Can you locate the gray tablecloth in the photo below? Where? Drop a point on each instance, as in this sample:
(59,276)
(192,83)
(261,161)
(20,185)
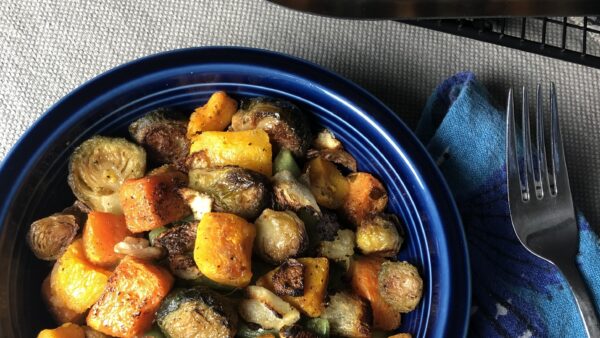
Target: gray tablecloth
(49,47)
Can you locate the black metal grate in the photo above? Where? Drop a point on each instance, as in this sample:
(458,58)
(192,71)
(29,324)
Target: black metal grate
(574,39)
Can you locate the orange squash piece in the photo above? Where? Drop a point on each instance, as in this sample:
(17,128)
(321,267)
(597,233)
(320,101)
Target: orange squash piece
(129,302)
(223,249)
(364,272)
(316,275)
(401,335)
(215,115)
(101,232)
(74,284)
(152,201)
(67,330)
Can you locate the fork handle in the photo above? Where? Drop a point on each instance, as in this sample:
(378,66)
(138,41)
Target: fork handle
(583,299)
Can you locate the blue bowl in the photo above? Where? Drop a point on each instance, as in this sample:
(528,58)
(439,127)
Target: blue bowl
(33,177)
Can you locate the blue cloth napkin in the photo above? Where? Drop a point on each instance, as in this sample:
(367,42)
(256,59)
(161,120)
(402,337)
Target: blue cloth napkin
(515,294)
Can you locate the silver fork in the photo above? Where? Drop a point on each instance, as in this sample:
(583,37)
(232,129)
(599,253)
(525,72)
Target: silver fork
(541,206)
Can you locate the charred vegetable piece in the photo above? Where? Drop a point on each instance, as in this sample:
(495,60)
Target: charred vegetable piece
(249,149)
(348,315)
(133,294)
(316,274)
(153,201)
(67,330)
(325,140)
(200,203)
(327,183)
(279,235)
(197,312)
(223,248)
(366,196)
(341,249)
(75,284)
(264,308)
(50,236)
(138,248)
(285,161)
(296,331)
(162,133)
(291,194)
(101,233)
(400,285)
(365,271)
(378,235)
(319,326)
(337,156)
(179,242)
(152,235)
(233,189)
(215,115)
(288,280)
(285,123)
(99,166)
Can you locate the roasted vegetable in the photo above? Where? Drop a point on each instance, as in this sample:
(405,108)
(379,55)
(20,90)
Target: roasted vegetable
(179,242)
(67,330)
(279,235)
(284,122)
(131,298)
(401,335)
(316,273)
(378,235)
(285,161)
(101,233)
(91,333)
(153,201)
(288,279)
(325,140)
(162,133)
(215,115)
(233,189)
(197,312)
(341,249)
(296,331)
(99,166)
(154,332)
(348,315)
(337,156)
(200,203)
(400,285)
(264,308)
(245,331)
(327,183)
(152,235)
(365,271)
(138,248)
(249,149)
(50,236)
(223,248)
(319,326)
(290,194)
(60,312)
(366,196)
(74,285)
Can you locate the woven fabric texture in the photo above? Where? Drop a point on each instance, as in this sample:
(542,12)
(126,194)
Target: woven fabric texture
(49,47)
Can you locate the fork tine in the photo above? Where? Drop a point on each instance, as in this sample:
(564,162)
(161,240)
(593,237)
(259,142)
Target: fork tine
(541,184)
(512,164)
(528,176)
(559,178)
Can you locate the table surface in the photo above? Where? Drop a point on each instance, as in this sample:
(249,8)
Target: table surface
(50,47)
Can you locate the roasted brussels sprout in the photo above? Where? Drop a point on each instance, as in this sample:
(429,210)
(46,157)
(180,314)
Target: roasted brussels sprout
(279,235)
(234,190)
(340,249)
(366,196)
(288,280)
(50,236)
(162,132)
(400,285)
(378,235)
(348,315)
(179,242)
(296,331)
(99,166)
(264,308)
(327,183)
(197,312)
(285,123)
(293,195)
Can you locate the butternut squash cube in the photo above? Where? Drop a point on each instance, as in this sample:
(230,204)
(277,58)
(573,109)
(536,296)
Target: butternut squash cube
(67,330)
(215,115)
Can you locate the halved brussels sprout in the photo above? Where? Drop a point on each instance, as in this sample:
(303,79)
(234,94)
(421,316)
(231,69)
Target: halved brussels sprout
(162,132)
(348,315)
(99,166)
(293,195)
(50,236)
(288,280)
(279,235)
(285,123)
(179,242)
(400,285)
(234,190)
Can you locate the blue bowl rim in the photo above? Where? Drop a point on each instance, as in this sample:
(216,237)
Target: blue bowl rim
(424,164)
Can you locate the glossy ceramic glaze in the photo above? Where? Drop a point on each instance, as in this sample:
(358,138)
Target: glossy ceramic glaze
(33,180)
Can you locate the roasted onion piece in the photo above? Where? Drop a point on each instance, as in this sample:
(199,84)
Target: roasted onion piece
(99,166)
